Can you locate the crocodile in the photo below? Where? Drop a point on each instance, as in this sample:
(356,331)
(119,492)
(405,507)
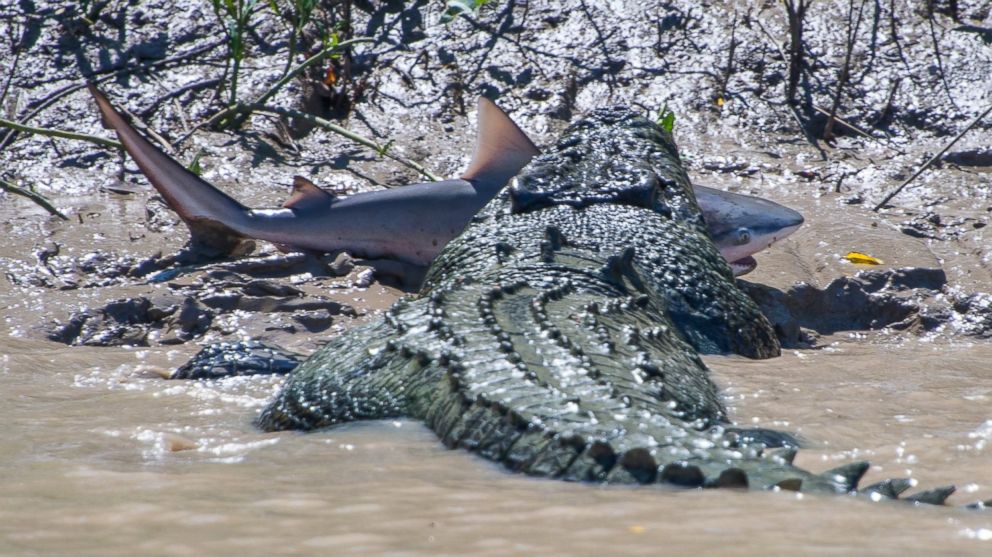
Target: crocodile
(560,334)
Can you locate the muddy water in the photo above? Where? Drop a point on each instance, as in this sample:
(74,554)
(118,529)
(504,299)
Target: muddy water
(99,459)
(99,456)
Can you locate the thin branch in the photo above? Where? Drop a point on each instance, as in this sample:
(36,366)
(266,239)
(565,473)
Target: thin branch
(940,63)
(792,108)
(857,130)
(38,199)
(853,24)
(934,158)
(382,150)
(42,104)
(722,93)
(59,133)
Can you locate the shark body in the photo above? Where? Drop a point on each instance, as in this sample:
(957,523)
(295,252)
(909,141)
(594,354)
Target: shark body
(413,223)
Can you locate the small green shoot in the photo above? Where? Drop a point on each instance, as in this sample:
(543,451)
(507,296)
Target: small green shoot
(384,149)
(461,7)
(234,16)
(666,119)
(194,165)
(297,16)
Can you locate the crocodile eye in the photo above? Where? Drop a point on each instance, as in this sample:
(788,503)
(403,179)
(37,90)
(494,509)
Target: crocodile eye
(743,236)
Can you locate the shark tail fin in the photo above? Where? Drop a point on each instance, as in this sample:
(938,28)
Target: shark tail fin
(501,148)
(308,196)
(208,212)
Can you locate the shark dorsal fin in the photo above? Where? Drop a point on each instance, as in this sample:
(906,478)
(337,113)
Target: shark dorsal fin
(307,195)
(501,148)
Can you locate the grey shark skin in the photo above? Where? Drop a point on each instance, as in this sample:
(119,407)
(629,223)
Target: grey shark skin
(742,225)
(409,224)
(559,335)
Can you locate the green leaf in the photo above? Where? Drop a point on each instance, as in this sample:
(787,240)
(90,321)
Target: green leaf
(194,166)
(459,7)
(384,148)
(666,119)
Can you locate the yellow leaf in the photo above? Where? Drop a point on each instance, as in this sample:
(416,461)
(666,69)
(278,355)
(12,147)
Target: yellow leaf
(862,259)
(719,101)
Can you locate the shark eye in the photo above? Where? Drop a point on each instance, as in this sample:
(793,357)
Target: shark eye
(743,236)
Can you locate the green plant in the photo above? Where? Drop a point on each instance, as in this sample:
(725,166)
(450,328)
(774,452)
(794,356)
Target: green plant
(234,16)
(459,7)
(297,16)
(666,119)
(194,165)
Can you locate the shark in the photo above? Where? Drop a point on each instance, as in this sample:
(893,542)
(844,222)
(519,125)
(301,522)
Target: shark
(409,224)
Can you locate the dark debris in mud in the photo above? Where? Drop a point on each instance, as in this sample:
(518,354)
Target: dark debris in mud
(915,300)
(64,272)
(189,309)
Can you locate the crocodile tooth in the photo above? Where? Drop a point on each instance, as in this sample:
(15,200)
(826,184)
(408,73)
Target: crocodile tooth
(891,488)
(935,496)
(846,477)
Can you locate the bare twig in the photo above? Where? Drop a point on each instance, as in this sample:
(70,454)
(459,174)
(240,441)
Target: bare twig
(59,133)
(729,70)
(792,109)
(382,150)
(42,104)
(13,67)
(894,32)
(884,113)
(934,158)
(858,130)
(37,198)
(796,13)
(853,23)
(940,63)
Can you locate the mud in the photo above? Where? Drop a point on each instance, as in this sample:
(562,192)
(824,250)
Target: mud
(888,363)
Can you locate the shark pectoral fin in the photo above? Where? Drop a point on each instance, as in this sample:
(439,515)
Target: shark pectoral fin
(501,148)
(308,196)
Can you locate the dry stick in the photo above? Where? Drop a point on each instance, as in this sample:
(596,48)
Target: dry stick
(10,76)
(382,150)
(934,159)
(59,133)
(845,71)
(888,103)
(795,13)
(940,64)
(792,108)
(858,130)
(48,101)
(721,95)
(40,200)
